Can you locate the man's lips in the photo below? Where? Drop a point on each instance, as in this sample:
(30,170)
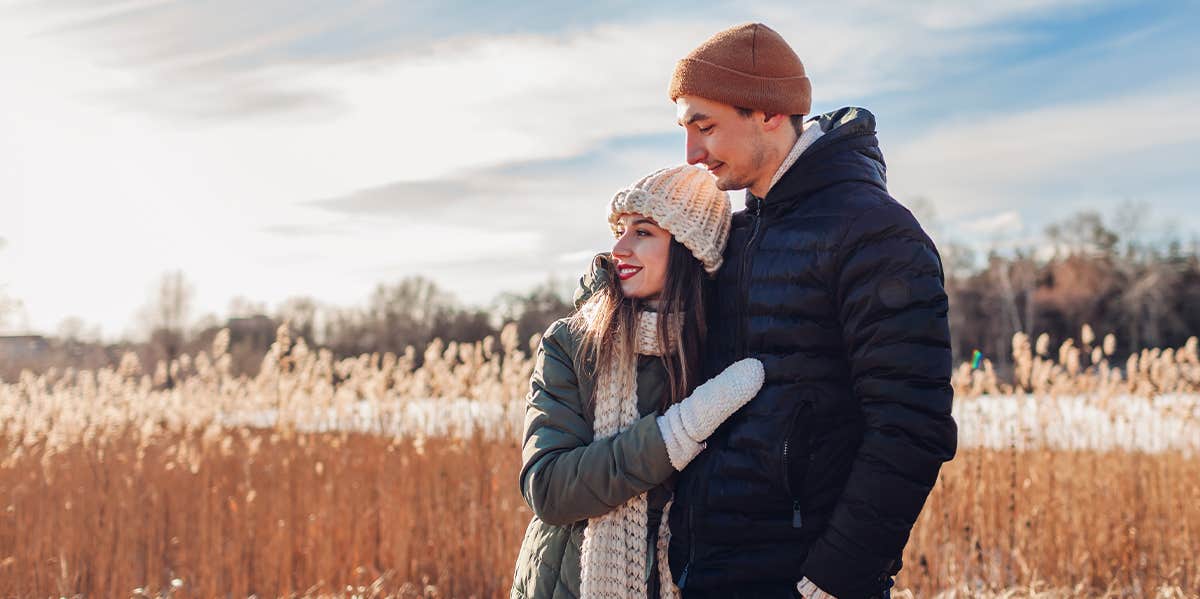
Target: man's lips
(625,271)
(712,168)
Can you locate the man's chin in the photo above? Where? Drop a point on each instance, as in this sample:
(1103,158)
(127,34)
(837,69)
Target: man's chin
(725,184)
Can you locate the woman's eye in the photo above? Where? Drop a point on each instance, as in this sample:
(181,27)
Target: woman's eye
(643,233)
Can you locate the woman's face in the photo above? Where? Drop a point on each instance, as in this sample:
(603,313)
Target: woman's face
(641,254)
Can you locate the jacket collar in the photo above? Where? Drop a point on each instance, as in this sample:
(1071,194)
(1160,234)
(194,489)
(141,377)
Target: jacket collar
(847,150)
(811,133)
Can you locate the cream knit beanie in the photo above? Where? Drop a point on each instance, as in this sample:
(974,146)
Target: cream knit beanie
(685,201)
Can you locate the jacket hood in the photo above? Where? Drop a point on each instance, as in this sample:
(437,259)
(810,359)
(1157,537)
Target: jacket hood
(847,151)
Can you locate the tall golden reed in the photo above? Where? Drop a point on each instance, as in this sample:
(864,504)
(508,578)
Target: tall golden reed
(324,477)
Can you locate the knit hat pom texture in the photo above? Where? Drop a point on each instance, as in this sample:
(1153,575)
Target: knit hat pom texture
(685,201)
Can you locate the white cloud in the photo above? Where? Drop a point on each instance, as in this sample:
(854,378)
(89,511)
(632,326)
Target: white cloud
(579,256)
(1000,224)
(1013,160)
(955,14)
(151,140)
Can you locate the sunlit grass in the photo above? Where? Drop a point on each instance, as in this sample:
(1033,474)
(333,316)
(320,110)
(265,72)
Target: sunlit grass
(374,477)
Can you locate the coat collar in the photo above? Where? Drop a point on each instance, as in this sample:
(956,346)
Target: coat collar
(847,150)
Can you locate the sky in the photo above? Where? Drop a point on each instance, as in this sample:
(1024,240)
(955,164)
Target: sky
(283,148)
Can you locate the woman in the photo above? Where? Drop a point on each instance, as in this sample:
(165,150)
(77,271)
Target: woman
(614,409)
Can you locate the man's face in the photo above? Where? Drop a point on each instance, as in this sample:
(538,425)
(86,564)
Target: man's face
(731,146)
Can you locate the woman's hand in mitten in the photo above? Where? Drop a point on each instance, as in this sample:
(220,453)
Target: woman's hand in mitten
(688,423)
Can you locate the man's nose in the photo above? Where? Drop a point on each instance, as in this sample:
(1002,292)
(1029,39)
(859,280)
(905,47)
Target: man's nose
(695,150)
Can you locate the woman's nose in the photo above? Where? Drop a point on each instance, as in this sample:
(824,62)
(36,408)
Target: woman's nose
(621,248)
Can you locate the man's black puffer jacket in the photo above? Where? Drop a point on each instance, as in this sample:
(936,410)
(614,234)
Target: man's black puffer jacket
(835,287)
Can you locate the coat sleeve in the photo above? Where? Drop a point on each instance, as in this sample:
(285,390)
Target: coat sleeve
(567,475)
(893,311)
(597,276)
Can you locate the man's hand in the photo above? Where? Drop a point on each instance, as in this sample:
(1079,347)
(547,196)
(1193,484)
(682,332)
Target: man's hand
(808,590)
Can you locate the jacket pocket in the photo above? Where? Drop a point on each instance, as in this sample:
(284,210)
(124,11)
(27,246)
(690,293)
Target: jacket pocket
(794,453)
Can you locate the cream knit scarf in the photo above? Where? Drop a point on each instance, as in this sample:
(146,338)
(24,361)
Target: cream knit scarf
(613,557)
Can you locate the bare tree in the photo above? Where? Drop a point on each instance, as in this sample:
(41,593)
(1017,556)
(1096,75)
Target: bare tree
(172,301)
(167,313)
(1082,233)
(8,305)
(1146,303)
(536,309)
(300,313)
(407,312)
(72,328)
(244,307)
(1130,220)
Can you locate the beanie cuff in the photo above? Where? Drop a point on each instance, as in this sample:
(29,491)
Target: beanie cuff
(639,201)
(772,95)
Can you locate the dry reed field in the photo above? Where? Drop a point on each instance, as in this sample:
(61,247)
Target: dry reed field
(373,477)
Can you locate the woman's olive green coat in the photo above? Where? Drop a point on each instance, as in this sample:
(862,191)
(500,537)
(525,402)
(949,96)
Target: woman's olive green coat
(566,476)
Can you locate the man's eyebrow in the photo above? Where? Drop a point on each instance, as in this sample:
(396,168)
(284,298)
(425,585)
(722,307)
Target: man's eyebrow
(698,116)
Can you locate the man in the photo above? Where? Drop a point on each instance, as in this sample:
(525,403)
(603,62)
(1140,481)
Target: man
(811,489)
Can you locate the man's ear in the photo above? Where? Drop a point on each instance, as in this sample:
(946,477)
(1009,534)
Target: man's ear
(772,122)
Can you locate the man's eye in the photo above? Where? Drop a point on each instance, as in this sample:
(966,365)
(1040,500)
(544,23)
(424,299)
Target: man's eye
(704,129)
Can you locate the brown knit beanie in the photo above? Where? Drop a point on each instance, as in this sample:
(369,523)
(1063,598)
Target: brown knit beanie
(748,66)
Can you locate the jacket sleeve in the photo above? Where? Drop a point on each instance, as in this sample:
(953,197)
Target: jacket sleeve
(566,475)
(893,311)
(597,276)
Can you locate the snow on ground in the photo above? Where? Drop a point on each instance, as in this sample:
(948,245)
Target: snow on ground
(1166,422)
(407,418)
(1129,423)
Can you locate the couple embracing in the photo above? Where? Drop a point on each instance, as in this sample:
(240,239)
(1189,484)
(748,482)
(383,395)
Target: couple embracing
(753,404)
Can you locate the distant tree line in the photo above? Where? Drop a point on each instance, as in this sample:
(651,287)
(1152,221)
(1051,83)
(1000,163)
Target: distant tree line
(1145,292)
(1081,271)
(410,312)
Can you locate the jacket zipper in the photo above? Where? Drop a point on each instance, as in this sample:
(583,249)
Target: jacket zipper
(787,478)
(743,300)
(694,491)
(691,545)
(797,520)
(743,276)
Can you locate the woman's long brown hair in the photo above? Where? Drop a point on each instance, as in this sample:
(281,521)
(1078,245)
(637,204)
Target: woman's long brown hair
(611,321)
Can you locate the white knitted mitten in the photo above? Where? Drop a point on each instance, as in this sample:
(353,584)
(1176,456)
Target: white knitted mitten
(688,423)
